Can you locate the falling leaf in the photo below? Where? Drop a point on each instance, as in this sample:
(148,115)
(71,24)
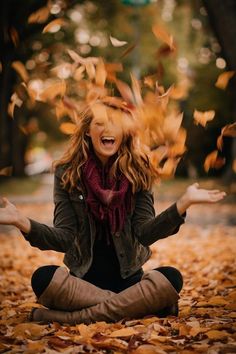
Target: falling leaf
(234,166)
(39,16)
(67,128)
(57,88)
(162,34)
(116,42)
(136,90)
(128,50)
(14,36)
(203,117)
(51,26)
(223,79)
(101,73)
(6,171)
(213,161)
(229,130)
(125,91)
(21,70)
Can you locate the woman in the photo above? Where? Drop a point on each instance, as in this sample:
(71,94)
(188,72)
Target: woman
(104,222)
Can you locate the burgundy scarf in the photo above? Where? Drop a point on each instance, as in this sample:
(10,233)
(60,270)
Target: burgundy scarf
(108,198)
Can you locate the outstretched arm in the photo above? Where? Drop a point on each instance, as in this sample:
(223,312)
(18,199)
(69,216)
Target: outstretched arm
(149,228)
(58,238)
(195,195)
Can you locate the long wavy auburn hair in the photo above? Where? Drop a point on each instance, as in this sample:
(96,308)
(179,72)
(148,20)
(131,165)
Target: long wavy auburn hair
(131,159)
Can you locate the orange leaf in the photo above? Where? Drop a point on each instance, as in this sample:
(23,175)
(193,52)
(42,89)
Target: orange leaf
(229,130)
(54,25)
(6,171)
(203,117)
(116,42)
(21,70)
(39,16)
(123,332)
(67,128)
(223,79)
(101,73)
(136,90)
(234,166)
(125,91)
(56,89)
(162,34)
(213,161)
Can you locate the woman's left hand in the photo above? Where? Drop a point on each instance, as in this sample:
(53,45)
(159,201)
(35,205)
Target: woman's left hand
(196,195)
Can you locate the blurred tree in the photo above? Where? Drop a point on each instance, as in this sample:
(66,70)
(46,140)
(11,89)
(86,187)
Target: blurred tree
(222,17)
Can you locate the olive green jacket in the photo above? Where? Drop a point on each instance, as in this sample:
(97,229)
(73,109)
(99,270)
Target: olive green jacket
(74,230)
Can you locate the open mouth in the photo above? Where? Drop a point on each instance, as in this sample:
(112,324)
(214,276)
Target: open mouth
(107,140)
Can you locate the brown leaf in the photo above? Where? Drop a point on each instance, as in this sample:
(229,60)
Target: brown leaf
(6,171)
(223,79)
(203,117)
(54,24)
(125,91)
(21,70)
(57,88)
(161,33)
(148,349)
(128,50)
(67,128)
(29,330)
(116,42)
(39,16)
(123,332)
(136,90)
(101,73)
(229,130)
(217,335)
(213,161)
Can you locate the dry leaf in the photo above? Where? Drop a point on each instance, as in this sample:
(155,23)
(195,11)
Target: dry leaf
(213,161)
(229,130)
(161,33)
(125,91)
(57,88)
(67,128)
(101,73)
(6,171)
(148,349)
(124,332)
(223,79)
(39,16)
(203,117)
(128,50)
(21,70)
(217,335)
(51,26)
(116,42)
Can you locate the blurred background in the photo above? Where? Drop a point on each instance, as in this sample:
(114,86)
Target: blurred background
(204,34)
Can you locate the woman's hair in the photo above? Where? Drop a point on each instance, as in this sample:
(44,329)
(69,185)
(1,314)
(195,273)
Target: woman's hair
(131,159)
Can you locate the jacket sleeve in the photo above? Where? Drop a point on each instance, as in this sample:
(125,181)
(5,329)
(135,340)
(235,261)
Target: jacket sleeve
(61,235)
(149,228)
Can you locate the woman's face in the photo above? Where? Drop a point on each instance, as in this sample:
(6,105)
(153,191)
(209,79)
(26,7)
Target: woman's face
(106,133)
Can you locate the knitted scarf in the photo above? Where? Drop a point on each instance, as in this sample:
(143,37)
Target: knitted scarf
(108,198)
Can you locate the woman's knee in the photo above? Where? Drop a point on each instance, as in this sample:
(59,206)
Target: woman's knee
(41,278)
(173,275)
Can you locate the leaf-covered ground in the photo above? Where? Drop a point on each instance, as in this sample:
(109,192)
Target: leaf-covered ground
(204,251)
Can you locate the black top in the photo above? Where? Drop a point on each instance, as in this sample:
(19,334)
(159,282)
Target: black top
(105,268)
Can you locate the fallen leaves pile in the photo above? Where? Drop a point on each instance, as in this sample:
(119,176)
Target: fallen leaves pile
(204,251)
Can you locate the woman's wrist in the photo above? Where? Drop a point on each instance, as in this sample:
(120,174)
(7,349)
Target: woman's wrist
(22,223)
(182,204)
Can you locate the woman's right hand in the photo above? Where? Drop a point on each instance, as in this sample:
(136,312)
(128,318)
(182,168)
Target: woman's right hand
(9,214)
